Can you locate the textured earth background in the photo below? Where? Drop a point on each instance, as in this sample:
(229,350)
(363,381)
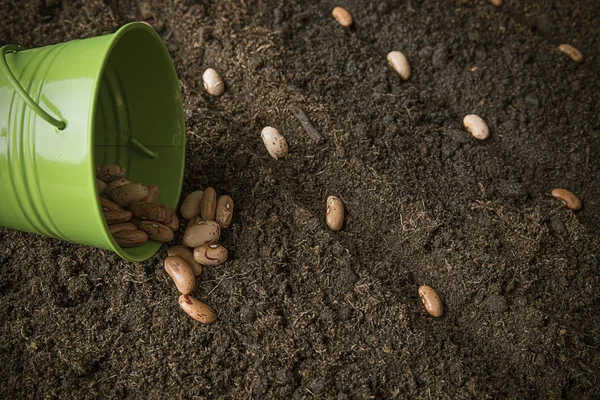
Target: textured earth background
(308,313)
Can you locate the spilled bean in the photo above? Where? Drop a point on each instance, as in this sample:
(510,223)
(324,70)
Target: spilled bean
(204,232)
(224,212)
(431,301)
(477,126)
(573,53)
(116,216)
(568,199)
(108,205)
(208,204)
(210,254)
(186,254)
(400,63)
(335,213)
(130,238)
(171,220)
(129,193)
(115,184)
(213,83)
(342,16)
(196,309)
(181,273)
(157,231)
(275,143)
(191,205)
(124,226)
(147,211)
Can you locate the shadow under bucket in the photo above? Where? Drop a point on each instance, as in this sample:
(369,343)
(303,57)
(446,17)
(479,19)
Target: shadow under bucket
(68,107)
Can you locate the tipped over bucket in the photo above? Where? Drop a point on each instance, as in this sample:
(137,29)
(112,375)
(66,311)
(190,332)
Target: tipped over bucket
(68,107)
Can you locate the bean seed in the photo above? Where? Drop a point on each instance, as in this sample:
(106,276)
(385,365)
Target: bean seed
(171,220)
(204,232)
(194,221)
(208,204)
(400,63)
(573,53)
(335,213)
(496,3)
(431,301)
(210,254)
(186,254)
(191,205)
(124,226)
(130,238)
(153,193)
(196,309)
(568,198)
(275,143)
(115,184)
(213,83)
(129,193)
(108,205)
(157,231)
(477,126)
(224,212)
(101,185)
(109,172)
(342,16)
(147,211)
(181,273)
(116,216)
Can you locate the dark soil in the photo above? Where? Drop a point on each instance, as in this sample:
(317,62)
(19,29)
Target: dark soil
(308,313)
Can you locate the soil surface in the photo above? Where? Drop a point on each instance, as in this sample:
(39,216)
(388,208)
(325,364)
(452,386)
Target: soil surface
(304,312)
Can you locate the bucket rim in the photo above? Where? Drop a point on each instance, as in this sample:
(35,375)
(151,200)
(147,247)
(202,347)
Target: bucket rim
(114,40)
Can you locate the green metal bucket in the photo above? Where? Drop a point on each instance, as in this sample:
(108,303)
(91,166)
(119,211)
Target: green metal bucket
(66,108)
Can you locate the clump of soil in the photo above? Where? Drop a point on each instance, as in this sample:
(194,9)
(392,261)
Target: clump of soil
(308,313)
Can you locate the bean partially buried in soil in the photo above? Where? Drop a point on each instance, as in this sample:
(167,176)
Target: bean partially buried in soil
(181,273)
(210,254)
(335,213)
(573,53)
(196,309)
(400,64)
(568,198)
(476,126)
(157,231)
(186,254)
(342,16)
(431,301)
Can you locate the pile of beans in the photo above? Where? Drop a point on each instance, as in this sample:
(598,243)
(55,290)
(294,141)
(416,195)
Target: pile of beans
(206,215)
(131,210)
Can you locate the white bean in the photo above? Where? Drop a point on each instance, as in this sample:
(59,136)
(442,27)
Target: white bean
(213,83)
(476,126)
(400,63)
(275,143)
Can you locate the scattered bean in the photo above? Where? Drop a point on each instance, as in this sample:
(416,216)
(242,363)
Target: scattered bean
(204,232)
(335,213)
(157,231)
(147,211)
(129,193)
(171,220)
(400,63)
(305,123)
(573,53)
(431,301)
(213,83)
(108,205)
(210,254)
(130,238)
(477,126)
(186,254)
(116,216)
(181,273)
(153,193)
(101,185)
(208,204)
(275,143)
(115,184)
(568,198)
(224,212)
(109,172)
(196,309)
(191,205)
(124,226)
(342,16)
(194,221)
(496,3)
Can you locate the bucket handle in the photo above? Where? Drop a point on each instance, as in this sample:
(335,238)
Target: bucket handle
(10,48)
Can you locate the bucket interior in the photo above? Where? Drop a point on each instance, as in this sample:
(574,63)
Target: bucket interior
(138,121)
